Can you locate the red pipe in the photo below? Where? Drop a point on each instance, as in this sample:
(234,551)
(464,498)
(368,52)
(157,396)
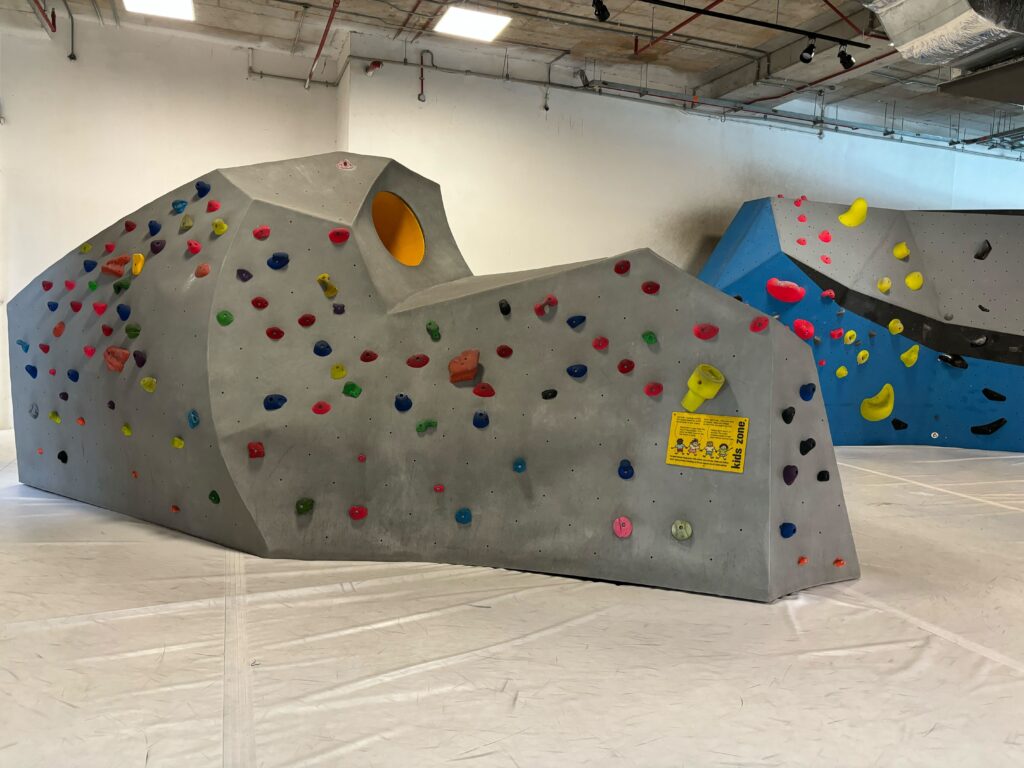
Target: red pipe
(51,22)
(323,39)
(674,29)
(822,79)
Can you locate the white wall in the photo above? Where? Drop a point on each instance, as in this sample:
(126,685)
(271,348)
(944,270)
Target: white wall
(595,176)
(140,112)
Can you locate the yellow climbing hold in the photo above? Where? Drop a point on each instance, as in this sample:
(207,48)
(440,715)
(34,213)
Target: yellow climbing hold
(338,371)
(85,248)
(849,337)
(841,372)
(219,226)
(186,223)
(914,281)
(862,357)
(855,214)
(880,406)
(901,251)
(177,442)
(910,356)
(138,262)
(703,384)
(148,383)
(884,284)
(330,290)
(55,417)
(126,430)
(895,326)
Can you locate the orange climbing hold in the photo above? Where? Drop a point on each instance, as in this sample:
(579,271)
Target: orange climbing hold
(115,358)
(58,329)
(115,267)
(202,270)
(463,367)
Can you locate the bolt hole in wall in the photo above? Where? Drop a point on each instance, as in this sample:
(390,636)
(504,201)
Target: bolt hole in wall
(398,229)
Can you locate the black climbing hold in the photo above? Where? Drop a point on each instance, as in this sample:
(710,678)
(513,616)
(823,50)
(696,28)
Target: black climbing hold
(504,307)
(897,424)
(788,414)
(983,251)
(991,394)
(988,429)
(807,391)
(953,360)
(823,476)
(111,405)
(983,308)
(738,297)
(549,394)
(244,275)
(63,396)
(806,446)
(63,457)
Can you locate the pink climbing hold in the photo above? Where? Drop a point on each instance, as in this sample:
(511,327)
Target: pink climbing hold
(801,241)
(256,450)
(357,512)
(653,388)
(622,267)
(784,290)
(417,361)
(622,527)
(47,285)
(803,329)
(483,389)
(826,259)
(798,202)
(600,343)
(194,246)
(828,293)
(260,303)
(76,306)
(69,284)
(109,247)
(836,333)
(339,235)
(262,232)
(89,351)
(758,324)
(275,333)
(825,236)
(368,356)
(202,270)
(212,206)
(802,218)
(650,287)
(99,307)
(626,365)
(705,331)
(321,407)
(307,320)
(504,350)
(129,225)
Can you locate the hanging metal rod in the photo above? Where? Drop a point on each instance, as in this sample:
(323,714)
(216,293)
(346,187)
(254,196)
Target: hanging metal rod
(756,23)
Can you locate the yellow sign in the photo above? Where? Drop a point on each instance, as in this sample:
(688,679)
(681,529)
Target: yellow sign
(706,441)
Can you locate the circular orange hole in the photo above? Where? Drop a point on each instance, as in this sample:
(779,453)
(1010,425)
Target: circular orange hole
(398,229)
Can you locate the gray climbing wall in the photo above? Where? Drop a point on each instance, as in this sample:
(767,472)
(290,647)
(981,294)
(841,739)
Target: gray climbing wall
(258,410)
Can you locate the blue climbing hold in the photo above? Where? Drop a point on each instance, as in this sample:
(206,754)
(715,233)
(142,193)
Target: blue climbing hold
(52,306)
(481,419)
(154,227)
(519,466)
(625,469)
(73,374)
(273,402)
(23,345)
(124,311)
(179,206)
(88,265)
(576,321)
(202,188)
(787,530)
(402,402)
(278,261)
(807,391)
(32,370)
(577,371)
(321,349)
(464,516)
(193,419)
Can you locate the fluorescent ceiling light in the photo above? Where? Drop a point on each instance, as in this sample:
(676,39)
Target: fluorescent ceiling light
(170,9)
(474,25)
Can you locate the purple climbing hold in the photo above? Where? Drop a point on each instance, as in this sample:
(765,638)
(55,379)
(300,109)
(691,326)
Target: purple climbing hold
(243,275)
(789,473)
(157,245)
(339,309)
(140,357)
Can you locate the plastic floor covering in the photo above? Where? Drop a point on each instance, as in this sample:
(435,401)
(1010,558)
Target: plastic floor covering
(124,644)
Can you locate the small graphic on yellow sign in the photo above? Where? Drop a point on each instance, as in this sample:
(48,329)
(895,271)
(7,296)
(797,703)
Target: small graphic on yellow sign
(706,441)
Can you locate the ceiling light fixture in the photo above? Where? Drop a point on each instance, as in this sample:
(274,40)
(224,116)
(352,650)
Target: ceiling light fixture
(845,58)
(807,54)
(168,9)
(459,21)
(601,11)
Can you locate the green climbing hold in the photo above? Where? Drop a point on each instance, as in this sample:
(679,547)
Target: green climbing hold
(650,338)
(122,285)
(681,530)
(426,424)
(225,318)
(93,285)
(433,330)
(303,506)
(351,389)
(85,248)
(215,497)
(132,330)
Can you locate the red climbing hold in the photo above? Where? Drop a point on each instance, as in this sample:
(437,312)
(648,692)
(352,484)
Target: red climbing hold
(58,329)
(262,232)
(194,246)
(115,358)
(821,363)
(115,266)
(828,293)
(784,290)
(600,343)
(803,329)
(549,301)
(504,350)
(463,366)
(76,306)
(483,389)
(80,421)
(653,388)
(53,371)
(320,407)
(839,562)
(438,488)
(538,309)
(622,267)
(99,307)
(44,348)
(89,351)
(129,225)
(109,247)
(357,513)
(650,287)
(836,333)
(802,560)
(202,270)
(339,235)
(212,206)
(802,218)
(417,361)
(260,303)
(368,356)
(758,324)
(256,450)
(47,285)
(798,202)
(175,508)
(626,365)
(705,331)
(826,259)
(361,458)
(307,320)
(69,284)
(801,241)
(107,330)
(275,333)
(825,236)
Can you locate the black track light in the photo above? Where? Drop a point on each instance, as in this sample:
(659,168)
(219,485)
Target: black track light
(807,54)
(845,58)
(601,11)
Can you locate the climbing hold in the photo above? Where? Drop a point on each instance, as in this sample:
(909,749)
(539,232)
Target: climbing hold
(991,394)
(88,265)
(802,218)
(650,338)
(179,206)
(653,389)
(304,506)
(256,450)
(192,417)
(278,261)
(483,389)
(219,227)
(202,270)
(140,357)
(52,306)
(823,476)
(433,330)
(129,225)
(549,394)
(504,307)
(758,324)
(600,343)
(704,384)
(884,284)
(339,309)
(62,457)
(274,402)
(705,331)
(504,351)
(419,360)
(213,206)
(464,516)
(330,289)
(259,302)
(426,424)
(338,371)
(784,290)
(803,328)
(23,344)
(862,357)
(351,389)
(402,402)
(85,248)
(93,285)
(839,562)
(802,560)
(849,337)
(910,356)
(47,285)
(111,404)
(186,223)
(69,285)
(306,320)
(788,413)
(879,406)
(338,235)
(275,333)
(225,318)
(901,251)
(988,429)
(33,411)
(124,311)
(76,306)
(622,527)
(576,321)
(202,189)
(983,251)
(807,391)
(214,497)
(828,294)
(132,330)
(368,356)
(177,442)
(99,307)
(914,281)
(438,488)
(789,473)
(55,417)
(681,530)
(806,446)
(320,407)
(626,469)
(156,246)
(262,232)
(825,236)
(481,419)
(650,287)
(154,227)
(895,326)
(956,361)
(463,367)
(321,348)
(842,372)
(983,308)
(115,266)
(801,241)
(73,375)
(115,358)
(626,365)
(577,371)
(622,267)
(519,465)
(787,530)
(357,512)
(979,341)
(898,424)
(148,383)
(856,214)
(122,285)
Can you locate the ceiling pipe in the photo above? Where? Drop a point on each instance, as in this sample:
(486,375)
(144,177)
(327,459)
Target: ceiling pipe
(851,25)
(638,49)
(323,39)
(822,79)
(71,18)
